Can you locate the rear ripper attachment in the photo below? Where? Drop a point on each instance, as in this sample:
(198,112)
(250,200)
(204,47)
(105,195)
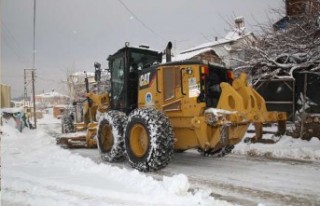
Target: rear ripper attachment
(253,107)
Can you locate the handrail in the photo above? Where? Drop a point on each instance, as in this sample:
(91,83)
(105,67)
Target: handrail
(157,84)
(181,81)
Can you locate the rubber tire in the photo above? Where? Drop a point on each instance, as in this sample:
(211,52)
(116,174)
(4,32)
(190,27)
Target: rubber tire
(67,125)
(160,139)
(116,121)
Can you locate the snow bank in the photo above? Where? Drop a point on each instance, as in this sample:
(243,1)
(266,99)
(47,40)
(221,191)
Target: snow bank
(35,171)
(287,148)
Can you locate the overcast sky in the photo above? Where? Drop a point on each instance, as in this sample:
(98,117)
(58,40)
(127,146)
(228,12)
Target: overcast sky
(73,34)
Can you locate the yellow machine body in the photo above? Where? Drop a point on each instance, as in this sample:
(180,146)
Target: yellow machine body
(87,130)
(158,108)
(99,103)
(174,89)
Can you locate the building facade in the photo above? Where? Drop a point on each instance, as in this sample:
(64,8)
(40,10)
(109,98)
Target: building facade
(5,96)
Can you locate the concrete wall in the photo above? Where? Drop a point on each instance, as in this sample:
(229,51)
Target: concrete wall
(5,96)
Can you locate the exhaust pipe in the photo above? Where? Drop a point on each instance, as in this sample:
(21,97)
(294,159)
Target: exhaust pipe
(168,52)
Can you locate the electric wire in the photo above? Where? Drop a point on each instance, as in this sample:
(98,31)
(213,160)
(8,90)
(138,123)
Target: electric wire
(140,21)
(12,44)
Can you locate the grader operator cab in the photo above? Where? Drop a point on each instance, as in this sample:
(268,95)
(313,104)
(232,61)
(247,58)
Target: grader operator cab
(156,109)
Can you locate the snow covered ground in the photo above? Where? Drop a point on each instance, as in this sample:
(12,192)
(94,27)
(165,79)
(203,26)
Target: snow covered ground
(286,148)
(35,171)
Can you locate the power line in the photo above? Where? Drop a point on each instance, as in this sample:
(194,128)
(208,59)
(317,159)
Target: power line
(20,59)
(34,35)
(50,80)
(141,22)
(12,44)
(206,37)
(8,32)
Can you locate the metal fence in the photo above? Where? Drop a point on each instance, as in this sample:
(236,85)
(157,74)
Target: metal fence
(279,95)
(299,94)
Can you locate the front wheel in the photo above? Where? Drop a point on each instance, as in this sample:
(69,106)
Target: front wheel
(110,136)
(148,140)
(67,125)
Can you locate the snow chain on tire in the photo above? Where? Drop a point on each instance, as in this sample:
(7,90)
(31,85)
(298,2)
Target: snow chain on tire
(67,125)
(148,139)
(110,136)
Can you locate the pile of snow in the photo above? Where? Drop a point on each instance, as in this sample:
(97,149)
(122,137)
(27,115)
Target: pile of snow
(286,148)
(35,171)
(51,94)
(48,118)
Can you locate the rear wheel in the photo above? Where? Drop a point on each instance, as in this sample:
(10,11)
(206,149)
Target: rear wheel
(110,136)
(148,140)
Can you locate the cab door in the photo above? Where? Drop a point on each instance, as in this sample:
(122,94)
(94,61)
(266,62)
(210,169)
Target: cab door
(172,89)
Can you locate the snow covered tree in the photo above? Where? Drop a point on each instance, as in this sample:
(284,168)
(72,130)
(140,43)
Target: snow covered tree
(291,44)
(291,47)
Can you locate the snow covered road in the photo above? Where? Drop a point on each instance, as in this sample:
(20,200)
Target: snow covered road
(286,173)
(254,180)
(35,171)
(242,179)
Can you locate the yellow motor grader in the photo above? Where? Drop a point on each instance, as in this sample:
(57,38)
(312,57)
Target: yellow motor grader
(158,108)
(80,134)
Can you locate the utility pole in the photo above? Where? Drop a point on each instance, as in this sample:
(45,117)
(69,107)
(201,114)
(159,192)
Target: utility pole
(34,63)
(34,101)
(25,100)
(26,82)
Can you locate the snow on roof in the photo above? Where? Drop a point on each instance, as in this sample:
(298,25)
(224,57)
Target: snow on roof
(11,110)
(61,105)
(221,46)
(82,74)
(188,55)
(206,45)
(231,36)
(144,46)
(51,94)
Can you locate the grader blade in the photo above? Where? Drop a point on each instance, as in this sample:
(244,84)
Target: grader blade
(72,140)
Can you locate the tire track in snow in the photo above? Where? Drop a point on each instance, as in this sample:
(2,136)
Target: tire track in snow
(204,172)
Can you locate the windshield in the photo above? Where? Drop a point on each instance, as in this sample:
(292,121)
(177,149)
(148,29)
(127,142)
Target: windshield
(141,60)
